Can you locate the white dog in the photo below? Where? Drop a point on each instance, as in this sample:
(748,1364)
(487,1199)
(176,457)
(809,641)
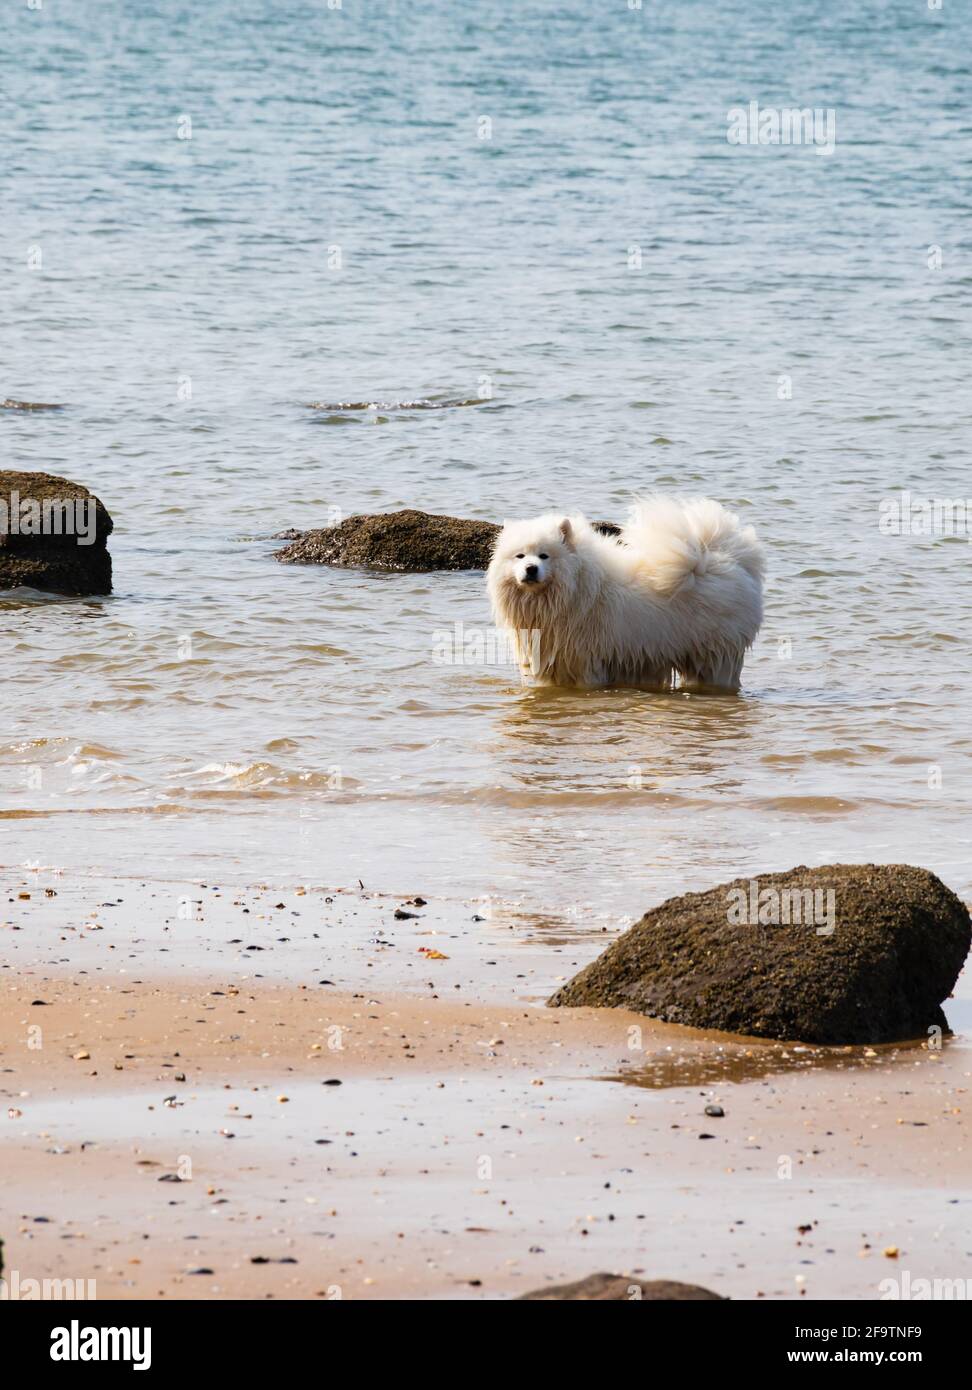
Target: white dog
(678,591)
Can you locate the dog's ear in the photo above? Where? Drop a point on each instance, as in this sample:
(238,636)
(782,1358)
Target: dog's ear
(567,533)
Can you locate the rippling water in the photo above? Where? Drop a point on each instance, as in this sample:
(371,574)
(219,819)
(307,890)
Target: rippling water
(623,288)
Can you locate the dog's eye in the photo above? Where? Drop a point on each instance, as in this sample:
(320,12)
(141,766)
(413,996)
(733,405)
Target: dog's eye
(543,557)
(521,557)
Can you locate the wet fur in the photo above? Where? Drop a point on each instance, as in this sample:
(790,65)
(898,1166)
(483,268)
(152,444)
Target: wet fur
(678,592)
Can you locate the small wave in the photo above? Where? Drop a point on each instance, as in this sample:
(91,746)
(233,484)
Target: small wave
(242,774)
(817,805)
(92,752)
(28,745)
(49,812)
(522,799)
(222,777)
(420,403)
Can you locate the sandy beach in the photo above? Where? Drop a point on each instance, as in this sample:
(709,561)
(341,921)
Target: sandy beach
(409,1126)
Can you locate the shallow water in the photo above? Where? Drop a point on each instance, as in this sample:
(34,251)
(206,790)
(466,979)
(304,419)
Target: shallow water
(224,714)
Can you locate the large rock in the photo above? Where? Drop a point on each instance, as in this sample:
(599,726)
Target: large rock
(56,557)
(883,948)
(618,1288)
(406,540)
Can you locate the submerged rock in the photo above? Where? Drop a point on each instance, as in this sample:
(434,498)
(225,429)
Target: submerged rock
(618,1288)
(847,953)
(406,540)
(419,403)
(53,535)
(409,540)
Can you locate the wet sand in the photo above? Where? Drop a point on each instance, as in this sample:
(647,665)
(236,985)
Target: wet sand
(477,1146)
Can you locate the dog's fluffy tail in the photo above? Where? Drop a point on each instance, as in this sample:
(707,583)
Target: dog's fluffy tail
(681,542)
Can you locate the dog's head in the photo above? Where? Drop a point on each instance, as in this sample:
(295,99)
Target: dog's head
(532,556)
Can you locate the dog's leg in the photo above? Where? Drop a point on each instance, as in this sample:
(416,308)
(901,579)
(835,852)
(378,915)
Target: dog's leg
(720,674)
(641,676)
(658,678)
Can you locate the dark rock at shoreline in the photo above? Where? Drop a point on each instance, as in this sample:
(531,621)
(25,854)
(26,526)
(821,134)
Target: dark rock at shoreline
(41,487)
(617,1288)
(408,540)
(55,563)
(899,938)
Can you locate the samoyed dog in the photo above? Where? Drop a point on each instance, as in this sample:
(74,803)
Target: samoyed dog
(678,592)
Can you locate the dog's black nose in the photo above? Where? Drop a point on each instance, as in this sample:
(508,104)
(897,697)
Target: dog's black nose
(530,572)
